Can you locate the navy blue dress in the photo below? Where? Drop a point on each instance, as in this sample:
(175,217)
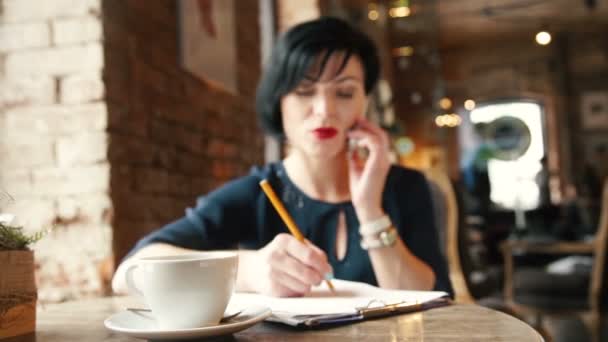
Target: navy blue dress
(239,215)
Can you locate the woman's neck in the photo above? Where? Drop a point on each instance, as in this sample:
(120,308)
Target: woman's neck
(322,179)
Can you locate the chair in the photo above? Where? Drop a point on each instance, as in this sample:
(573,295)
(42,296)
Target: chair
(537,292)
(447,218)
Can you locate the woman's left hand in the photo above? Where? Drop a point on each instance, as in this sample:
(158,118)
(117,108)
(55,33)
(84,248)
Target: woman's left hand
(368,176)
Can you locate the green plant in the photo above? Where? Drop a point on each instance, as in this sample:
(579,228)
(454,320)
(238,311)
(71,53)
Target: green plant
(13,238)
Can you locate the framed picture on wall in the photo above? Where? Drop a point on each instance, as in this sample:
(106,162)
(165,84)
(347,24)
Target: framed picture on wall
(207,41)
(594,109)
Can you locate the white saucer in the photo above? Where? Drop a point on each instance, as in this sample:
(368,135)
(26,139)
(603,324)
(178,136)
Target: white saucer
(142,325)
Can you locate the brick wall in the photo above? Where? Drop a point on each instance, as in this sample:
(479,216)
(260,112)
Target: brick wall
(172,136)
(53,144)
(104,136)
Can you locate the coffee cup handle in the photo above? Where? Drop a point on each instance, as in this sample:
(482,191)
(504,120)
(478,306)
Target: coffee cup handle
(131,282)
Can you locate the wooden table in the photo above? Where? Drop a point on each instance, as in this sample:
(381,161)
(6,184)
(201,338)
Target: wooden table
(83,321)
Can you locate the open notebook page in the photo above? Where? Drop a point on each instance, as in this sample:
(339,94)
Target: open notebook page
(347,298)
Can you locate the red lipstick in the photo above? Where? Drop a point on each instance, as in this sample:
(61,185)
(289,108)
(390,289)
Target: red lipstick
(325,132)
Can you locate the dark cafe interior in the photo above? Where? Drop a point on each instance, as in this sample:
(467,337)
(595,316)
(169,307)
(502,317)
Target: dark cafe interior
(117,115)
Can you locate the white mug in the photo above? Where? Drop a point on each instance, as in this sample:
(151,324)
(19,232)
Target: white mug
(186,291)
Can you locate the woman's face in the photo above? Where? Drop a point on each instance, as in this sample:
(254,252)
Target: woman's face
(317,114)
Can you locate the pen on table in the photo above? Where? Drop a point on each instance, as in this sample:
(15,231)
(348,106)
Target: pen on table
(291,225)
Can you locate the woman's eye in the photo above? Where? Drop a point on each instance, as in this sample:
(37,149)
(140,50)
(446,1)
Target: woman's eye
(304,91)
(347,94)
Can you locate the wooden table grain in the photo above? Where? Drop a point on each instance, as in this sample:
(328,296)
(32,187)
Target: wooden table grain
(83,321)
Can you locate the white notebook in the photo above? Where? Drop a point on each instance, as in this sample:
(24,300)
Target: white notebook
(348,299)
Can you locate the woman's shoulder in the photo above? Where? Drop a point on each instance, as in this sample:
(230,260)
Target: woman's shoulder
(406,184)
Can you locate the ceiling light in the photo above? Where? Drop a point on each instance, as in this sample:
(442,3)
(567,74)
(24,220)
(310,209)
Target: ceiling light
(469,104)
(543,38)
(439,121)
(399,12)
(448,120)
(404,51)
(373,15)
(445,103)
(372,12)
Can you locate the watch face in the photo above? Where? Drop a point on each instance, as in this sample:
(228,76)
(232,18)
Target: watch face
(388,237)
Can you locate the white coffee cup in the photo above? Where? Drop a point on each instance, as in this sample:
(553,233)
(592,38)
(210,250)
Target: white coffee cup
(185,291)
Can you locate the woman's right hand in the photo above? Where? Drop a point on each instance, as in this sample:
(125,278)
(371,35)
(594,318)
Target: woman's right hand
(288,267)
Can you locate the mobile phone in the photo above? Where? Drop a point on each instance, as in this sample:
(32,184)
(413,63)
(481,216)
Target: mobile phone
(360,152)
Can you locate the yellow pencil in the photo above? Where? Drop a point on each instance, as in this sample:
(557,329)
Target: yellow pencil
(291,225)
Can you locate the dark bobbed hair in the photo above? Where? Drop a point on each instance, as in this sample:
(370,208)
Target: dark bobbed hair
(294,54)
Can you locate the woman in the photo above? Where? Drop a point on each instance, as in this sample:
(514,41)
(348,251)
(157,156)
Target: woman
(365,219)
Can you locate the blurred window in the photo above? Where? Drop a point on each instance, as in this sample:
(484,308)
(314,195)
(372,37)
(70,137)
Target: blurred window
(515,131)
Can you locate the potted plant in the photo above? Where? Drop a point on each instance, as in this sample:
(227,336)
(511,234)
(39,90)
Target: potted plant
(18,294)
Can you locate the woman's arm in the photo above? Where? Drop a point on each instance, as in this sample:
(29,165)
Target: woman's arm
(221,220)
(269,270)
(394,266)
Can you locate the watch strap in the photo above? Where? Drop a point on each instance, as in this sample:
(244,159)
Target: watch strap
(376,226)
